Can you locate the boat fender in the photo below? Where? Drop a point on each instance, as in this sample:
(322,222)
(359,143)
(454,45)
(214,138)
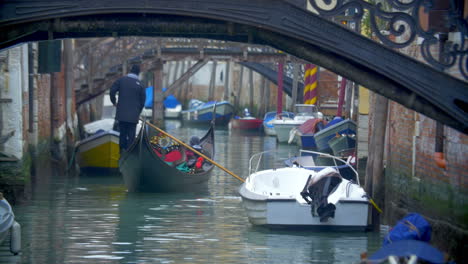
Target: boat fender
(440,160)
(15,239)
(199,162)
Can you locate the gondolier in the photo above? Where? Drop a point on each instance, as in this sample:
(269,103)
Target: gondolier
(130,103)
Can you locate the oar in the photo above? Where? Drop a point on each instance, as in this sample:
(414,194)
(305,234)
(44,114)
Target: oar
(194,150)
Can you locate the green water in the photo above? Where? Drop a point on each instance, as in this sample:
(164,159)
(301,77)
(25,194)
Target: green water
(92,219)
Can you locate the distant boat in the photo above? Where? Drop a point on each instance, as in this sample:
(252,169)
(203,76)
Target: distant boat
(10,230)
(99,149)
(304,134)
(296,197)
(303,113)
(334,127)
(172,106)
(201,113)
(268,119)
(156,163)
(247,122)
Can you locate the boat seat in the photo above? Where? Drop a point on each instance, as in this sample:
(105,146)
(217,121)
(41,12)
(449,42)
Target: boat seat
(305,161)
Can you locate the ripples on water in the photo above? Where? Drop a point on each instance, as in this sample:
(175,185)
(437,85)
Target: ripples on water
(92,219)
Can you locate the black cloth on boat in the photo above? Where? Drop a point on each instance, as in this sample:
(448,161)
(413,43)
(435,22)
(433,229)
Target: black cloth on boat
(318,188)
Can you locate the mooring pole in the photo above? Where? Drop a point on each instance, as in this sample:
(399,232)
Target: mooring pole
(279,102)
(158,109)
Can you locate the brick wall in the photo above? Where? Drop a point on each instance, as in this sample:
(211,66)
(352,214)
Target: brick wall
(43,106)
(414,183)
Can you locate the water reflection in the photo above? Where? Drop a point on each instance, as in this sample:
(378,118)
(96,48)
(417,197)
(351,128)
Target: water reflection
(92,219)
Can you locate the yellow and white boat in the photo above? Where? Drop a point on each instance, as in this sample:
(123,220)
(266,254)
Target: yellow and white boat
(99,150)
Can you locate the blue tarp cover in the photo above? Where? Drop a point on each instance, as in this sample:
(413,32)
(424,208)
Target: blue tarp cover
(169,102)
(406,248)
(412,226)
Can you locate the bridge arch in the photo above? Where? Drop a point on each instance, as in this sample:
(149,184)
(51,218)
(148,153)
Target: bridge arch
(277,23)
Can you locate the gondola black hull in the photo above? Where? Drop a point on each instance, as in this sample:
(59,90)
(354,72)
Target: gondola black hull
(144,171)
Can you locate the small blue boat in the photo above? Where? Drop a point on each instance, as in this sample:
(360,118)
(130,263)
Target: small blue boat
(201,113)
(334,127)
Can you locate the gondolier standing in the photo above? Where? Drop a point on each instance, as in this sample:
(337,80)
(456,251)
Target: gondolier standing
(131,101)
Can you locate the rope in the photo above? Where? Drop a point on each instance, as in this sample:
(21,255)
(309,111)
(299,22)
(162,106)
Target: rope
(194,150)
(375,205)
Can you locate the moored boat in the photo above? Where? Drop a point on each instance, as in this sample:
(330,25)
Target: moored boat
(246,122)
(303,113)
(156,163)
(100,148)
(334,127)
(295,197)
(172,106)
(201,113)
(10,230)
(304,134)
(268,119)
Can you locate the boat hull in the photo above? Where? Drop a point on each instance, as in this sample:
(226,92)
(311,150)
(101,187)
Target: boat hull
(144,171)
(247,124)
(283,131)
(169,113)
(269,129)
(350,215)
(323,137)
(280,198)
(204,115)
(100,151)
(306,141)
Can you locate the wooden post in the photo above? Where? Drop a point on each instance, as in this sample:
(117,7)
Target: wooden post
(375,178)
(266,83)
(175,74)
(158,115)
(261,103)
(279,102)
(251,90)
(226,80)
(69,94)
(211,93)
(339,112)
(294,85)
(179,89)
(186,95)
(239,89)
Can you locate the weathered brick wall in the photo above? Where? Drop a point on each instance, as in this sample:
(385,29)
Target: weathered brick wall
(414,183)
(59,100)
(327,86)
(43,106)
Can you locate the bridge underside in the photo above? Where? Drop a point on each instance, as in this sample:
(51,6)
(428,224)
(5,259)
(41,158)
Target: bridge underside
(386,72)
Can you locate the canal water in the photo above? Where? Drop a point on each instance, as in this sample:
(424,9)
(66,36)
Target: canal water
(91,218)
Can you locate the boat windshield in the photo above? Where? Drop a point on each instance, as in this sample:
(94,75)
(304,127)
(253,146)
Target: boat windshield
(306,110)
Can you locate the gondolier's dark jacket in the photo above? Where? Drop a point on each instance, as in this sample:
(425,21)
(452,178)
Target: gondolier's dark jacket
(132,98)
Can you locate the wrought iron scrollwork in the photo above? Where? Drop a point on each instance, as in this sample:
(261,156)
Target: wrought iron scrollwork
(396,24)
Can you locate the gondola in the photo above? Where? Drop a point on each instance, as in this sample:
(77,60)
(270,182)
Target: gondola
(157,163)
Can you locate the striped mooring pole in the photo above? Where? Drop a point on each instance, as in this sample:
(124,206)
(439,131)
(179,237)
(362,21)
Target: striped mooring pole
(310,81)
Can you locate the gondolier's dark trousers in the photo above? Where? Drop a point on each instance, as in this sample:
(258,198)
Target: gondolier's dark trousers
(127,134)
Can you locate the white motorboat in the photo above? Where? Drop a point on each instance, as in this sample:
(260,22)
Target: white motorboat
(303,198)
(10,230)
(270,117)
(303,113)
